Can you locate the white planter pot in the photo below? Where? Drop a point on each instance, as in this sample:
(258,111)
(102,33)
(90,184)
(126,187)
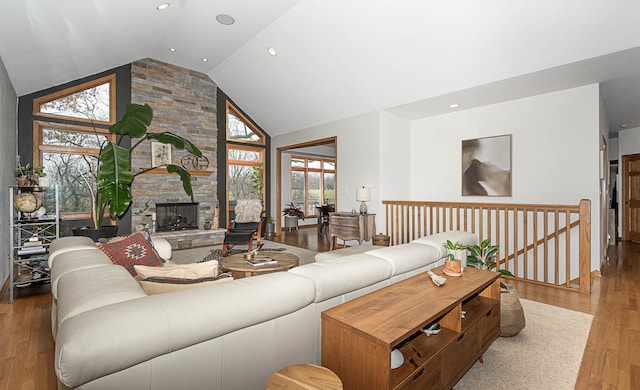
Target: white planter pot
(459,255)
(290,221)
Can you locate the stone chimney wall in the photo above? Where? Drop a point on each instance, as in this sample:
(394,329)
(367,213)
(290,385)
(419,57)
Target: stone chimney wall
(184,103)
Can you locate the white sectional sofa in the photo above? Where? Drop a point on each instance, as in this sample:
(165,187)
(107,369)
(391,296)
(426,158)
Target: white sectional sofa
(109,334)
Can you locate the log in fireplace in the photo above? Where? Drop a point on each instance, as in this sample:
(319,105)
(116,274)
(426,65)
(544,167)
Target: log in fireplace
(176,216)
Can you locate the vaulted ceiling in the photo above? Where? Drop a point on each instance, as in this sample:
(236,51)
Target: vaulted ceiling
(339,58)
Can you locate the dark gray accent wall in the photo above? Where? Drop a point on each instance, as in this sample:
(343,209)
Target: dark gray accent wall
(222,157)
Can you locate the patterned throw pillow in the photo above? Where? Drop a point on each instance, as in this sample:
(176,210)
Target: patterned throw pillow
(131,250)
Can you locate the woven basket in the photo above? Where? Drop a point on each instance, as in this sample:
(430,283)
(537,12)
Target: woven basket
(381,240)
(511,314)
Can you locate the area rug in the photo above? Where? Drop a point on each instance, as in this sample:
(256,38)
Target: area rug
(186,256)
(546,354)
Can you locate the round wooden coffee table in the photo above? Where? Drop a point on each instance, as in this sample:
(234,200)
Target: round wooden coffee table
(241,269)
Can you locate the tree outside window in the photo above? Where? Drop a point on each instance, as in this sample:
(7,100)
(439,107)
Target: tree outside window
(245,160)
(69,128)
(312,183)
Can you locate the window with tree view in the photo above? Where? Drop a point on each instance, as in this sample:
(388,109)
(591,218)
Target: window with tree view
(312,182)
(245,160)
(67,146)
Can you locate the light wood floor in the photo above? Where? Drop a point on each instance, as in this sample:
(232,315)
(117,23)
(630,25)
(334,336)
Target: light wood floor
(611,359)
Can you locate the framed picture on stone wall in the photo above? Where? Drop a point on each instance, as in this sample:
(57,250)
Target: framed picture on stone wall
(160,153)
(486,166)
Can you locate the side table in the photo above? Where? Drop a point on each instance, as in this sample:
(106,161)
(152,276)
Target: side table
(350,226)
(304,376)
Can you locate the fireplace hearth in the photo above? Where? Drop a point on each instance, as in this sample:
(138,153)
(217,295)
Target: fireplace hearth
(176,216)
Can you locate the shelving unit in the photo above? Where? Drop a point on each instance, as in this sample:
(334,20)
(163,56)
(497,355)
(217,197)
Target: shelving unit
(30,239)
(358,336)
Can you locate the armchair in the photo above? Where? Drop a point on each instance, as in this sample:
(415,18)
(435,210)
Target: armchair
(246,227)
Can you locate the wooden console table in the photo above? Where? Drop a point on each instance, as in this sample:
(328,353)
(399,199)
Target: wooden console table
(350,226)
(358,336)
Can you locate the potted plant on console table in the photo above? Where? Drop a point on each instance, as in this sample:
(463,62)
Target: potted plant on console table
(112,188)
(456,258)
(512,319)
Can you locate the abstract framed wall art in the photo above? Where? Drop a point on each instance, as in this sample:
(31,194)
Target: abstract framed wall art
(486,166)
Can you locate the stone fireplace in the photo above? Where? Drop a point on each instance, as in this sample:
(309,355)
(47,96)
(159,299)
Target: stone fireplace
(184,103)
(176,216)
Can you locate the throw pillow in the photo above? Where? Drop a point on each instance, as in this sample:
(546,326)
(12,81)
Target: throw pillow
(131,250)
(207,269)
(158,285)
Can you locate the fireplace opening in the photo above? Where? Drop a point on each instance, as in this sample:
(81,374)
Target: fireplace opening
(176,216)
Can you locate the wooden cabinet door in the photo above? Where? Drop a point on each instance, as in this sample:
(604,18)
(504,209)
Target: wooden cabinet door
(631,197)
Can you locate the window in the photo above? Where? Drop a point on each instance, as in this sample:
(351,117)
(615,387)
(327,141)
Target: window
(245,160)
(312,182)
(243,163)
(69,151)
(88,102)
(239,129)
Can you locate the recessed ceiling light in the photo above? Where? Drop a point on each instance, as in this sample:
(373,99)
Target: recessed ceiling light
(624,126)
(272,52)
(205,60)
(454,105)
(225,19)
(163,6)
(172,49)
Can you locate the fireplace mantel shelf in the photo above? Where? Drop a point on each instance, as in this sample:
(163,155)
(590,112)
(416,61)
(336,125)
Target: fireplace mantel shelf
(192,172)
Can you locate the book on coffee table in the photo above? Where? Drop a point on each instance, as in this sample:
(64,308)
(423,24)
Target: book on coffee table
(261,261)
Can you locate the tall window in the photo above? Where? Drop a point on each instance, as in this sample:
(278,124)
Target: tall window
(313,182)
(69,128)
(245,160)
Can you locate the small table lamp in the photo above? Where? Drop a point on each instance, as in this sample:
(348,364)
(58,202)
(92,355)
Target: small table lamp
(363,194)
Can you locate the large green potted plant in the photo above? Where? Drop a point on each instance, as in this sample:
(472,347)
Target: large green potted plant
(512,319)
(112,190)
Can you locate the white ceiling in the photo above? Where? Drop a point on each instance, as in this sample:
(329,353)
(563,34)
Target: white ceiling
(340,58)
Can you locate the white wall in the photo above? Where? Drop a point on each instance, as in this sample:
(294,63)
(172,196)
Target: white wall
(555,151)
(357,159)
(8,106)
(629,142)
(395,158)
(614,149)
(556,147)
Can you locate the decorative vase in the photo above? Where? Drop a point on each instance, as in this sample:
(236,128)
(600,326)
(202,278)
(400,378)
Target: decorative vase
(207,225)
(453,268)
(512,319)
(22,181)
(269,229)
(216,217)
